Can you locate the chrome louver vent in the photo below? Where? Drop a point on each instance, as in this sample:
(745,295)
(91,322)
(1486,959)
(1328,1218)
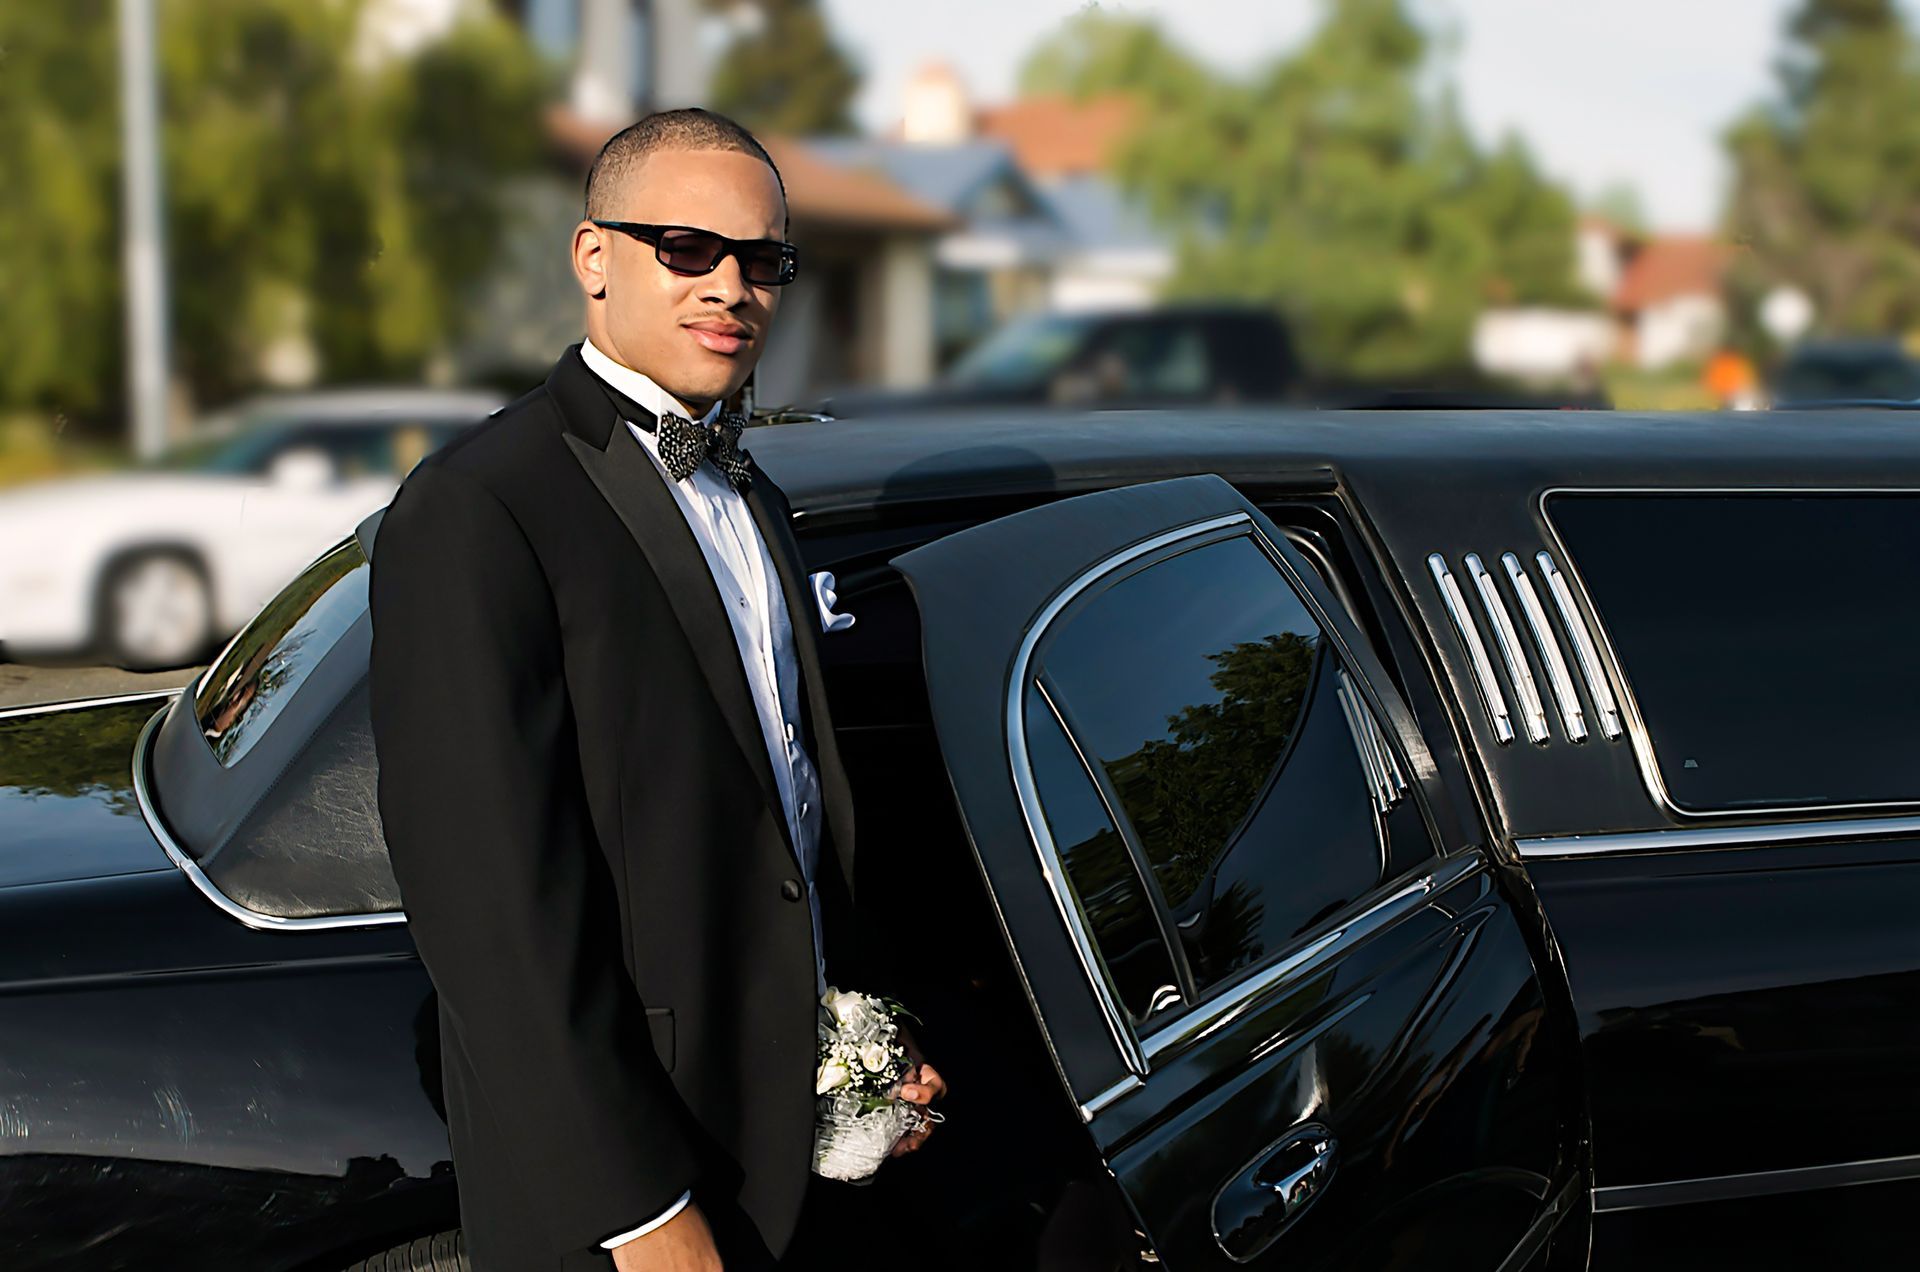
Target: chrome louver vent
(1520,659)
(1384,776)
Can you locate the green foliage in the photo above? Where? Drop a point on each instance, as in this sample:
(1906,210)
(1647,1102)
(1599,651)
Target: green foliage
(1187,792)
(788,76)
(1826,191)
(309,190)
(1332,184)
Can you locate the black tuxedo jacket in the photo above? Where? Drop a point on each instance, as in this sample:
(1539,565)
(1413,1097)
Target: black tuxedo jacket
(583,821)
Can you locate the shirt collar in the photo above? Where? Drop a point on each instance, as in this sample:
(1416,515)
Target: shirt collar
(639,387)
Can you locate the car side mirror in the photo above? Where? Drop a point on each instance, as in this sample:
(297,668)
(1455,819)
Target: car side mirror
(301,468)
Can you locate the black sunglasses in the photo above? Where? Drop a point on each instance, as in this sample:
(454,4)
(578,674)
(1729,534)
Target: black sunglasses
(685,249)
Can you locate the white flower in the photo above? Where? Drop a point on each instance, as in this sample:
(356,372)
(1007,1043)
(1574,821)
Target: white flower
(845,1005)
(832,1074)
(874,1057)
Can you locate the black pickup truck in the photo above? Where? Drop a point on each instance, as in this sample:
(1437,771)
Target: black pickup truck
(1169,356)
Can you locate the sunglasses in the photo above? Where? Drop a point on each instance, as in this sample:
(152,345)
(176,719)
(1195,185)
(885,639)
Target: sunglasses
(687,250)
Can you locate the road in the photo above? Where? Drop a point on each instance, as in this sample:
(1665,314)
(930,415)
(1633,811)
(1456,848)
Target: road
(26,685)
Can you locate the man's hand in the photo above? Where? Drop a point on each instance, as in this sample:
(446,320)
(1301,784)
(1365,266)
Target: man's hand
(922,1085)
(683,1243)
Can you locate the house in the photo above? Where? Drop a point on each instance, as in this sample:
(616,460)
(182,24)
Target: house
(1669,305)
(1038,225)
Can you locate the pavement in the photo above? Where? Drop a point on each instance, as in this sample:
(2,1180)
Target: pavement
(34,684)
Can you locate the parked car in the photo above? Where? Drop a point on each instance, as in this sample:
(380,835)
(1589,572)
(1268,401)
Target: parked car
(1169,356)
(1820,374)
(1415,840)
(151,566)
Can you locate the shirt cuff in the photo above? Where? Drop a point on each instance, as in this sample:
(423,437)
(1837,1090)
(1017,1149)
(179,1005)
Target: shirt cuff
(650,1224)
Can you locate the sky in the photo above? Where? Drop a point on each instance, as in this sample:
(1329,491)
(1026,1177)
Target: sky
(1625,91)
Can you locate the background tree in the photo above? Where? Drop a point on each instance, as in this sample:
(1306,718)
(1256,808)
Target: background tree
(312,192)
(1826,188)
(1337,184)
(782,71)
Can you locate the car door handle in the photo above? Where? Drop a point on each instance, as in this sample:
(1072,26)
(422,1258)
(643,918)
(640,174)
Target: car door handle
(1273,1191)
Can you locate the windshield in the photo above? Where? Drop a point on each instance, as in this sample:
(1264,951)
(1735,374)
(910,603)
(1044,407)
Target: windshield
(1022,354)
(231,450)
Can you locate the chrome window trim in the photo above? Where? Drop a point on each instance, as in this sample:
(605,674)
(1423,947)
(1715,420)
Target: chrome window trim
(77,704)
(1759,1183)
(150,813)
(1111,1095)
(1693,838)
(1572,718)
(1598,686)
(1221,1010)
(1636,728)
(1519,672)
(1491,697)
(1051,867)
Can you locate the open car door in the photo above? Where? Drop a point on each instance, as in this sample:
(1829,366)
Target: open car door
(1292,995)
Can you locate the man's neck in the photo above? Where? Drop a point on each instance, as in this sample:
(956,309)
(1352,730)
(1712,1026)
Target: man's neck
(637,384)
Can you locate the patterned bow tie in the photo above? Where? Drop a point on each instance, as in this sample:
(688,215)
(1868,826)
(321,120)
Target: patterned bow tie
(683,444)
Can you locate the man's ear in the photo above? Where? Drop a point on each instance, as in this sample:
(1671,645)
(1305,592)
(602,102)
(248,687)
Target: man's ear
(590,259)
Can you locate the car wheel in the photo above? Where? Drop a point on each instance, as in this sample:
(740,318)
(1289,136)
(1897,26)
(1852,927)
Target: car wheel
(441,1252)
(154,610)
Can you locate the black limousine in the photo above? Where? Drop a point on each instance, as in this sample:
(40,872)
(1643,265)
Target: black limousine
(1341,841)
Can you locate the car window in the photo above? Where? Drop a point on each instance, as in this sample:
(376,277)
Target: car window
(259,671)
(1137,360)
(1767,639)
(1021,355)
(1118,910)
(1206,695)
(357,451)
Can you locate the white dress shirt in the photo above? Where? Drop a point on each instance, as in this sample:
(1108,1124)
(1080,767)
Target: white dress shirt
(749,589)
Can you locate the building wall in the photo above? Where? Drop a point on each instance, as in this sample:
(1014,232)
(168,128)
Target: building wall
(1683,329)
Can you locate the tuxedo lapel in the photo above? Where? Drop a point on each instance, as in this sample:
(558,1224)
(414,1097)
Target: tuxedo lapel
(774,517)
(627,479)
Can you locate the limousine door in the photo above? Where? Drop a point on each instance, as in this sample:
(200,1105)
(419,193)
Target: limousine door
(1285,989)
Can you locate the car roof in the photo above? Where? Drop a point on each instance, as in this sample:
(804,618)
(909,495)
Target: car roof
(1493,454)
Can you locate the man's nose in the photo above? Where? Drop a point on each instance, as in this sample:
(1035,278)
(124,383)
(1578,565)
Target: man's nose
(725,285)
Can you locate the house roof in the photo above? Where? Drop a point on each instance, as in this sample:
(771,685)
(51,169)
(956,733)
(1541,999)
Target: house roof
(946,175)
(1669,266)
(1098,217)
(820,190)
(1055,135)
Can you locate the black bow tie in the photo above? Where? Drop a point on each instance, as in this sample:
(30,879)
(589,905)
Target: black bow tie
(683,443)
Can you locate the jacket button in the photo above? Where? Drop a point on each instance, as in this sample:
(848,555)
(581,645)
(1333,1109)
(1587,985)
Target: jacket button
(790,889)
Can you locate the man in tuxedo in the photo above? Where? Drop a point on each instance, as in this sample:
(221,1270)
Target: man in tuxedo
(607,772)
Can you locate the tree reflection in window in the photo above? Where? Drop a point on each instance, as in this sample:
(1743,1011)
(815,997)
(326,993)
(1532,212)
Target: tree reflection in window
(1188,791)
(1199,685)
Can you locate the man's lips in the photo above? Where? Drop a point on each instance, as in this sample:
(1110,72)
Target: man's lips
(720,339)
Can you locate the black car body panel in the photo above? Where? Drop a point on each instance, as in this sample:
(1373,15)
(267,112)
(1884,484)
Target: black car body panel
(179,1077)
(182,1090)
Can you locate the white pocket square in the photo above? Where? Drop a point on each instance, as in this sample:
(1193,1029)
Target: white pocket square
(823,595)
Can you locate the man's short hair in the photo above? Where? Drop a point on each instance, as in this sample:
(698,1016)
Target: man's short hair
(690,128)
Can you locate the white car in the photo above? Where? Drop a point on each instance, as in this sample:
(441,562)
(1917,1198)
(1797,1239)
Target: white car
(150,566)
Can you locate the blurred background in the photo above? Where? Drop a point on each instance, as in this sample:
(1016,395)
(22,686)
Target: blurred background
(259,256)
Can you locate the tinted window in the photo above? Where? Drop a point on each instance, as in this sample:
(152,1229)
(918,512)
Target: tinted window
(1768,639)
(1152,360)
(1203,688)
(257,674)
(1119,915)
